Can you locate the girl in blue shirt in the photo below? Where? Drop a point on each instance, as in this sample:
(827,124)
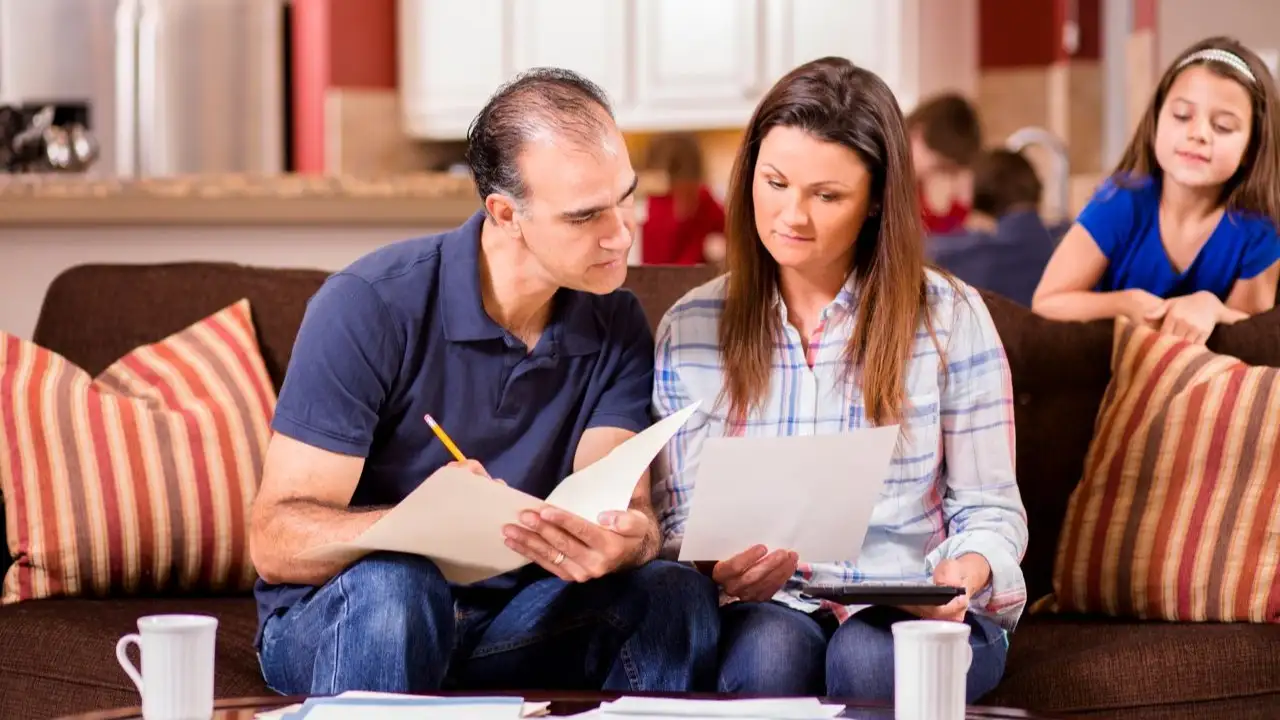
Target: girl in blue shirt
(1183,235)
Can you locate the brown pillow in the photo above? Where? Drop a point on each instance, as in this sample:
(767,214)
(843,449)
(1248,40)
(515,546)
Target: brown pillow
(1177,516)
(139,480)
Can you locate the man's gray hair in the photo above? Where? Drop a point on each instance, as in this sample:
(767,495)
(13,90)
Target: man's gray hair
(539,103)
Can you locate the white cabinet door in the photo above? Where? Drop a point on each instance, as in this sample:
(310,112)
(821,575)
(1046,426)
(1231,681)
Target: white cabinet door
(918,47)
(452,56)
(696,64)
(586,36)
(867,32)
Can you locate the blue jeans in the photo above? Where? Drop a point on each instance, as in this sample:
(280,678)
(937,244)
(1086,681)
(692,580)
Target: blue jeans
(391,622)
(770,649)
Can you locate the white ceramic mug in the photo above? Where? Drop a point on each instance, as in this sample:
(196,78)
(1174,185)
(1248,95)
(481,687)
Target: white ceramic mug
(931,660)
(176,682)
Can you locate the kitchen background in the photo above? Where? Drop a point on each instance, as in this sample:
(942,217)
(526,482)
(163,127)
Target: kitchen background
(307,132)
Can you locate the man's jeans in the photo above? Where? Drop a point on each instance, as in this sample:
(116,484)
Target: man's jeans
(770,649)
(391,622)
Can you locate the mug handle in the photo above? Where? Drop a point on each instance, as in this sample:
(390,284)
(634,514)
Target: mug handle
(122,655)
(968,658)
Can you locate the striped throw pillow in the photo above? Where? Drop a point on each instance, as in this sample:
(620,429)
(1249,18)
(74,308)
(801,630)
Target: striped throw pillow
(1177,517)
(138,481)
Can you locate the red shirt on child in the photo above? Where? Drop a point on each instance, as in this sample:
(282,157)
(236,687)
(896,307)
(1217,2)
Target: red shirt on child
(668,240)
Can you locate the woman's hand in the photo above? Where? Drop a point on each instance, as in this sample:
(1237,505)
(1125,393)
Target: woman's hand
(971,572)
(755,574)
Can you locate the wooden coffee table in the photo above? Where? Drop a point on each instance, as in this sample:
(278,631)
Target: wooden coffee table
(561,704)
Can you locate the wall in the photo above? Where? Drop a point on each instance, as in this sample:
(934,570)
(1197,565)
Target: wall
(1179,23)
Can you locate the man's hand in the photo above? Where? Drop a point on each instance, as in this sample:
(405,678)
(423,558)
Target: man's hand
(971,572)
(577,550)
(755,574)
(474,467)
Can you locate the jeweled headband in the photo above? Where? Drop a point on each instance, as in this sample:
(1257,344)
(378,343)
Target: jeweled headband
(1220,56)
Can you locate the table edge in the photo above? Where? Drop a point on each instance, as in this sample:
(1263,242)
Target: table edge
(266,702)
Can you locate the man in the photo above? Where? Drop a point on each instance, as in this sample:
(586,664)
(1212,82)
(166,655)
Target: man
(1005,245)
(946,135)
(511,332)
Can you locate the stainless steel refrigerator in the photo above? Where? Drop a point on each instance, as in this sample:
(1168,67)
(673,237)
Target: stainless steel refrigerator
(166,87)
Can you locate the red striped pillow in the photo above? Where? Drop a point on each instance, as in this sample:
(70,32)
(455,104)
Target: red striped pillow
(1177,516)
(138,481)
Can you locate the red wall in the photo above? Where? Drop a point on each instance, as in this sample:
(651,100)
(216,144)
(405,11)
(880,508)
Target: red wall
(336,44)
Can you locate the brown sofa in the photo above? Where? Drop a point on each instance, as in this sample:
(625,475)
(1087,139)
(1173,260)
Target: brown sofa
(56,656)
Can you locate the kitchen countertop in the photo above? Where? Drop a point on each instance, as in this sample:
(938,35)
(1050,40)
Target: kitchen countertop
(437,199)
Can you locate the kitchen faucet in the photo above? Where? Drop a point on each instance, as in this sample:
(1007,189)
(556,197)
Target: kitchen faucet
(1061,164)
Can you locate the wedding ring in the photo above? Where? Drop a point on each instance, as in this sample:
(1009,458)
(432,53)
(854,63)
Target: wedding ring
(559,559)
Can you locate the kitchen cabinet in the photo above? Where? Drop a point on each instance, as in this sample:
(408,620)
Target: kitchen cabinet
(670,64)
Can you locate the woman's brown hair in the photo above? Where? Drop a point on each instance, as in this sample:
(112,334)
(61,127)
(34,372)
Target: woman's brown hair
(834,101)
(1255,186)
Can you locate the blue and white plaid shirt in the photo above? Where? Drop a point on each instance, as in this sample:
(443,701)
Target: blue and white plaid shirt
(951,488)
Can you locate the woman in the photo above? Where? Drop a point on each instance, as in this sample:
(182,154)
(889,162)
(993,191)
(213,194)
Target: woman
(827,321)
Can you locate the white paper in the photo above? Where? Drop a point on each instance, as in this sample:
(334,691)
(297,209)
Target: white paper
(804,708)
(528,709)
(456,518)
(812,494)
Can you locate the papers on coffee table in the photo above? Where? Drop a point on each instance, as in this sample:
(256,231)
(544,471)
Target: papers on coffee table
(654,708)
(813,494)
(456,518)
(358,705)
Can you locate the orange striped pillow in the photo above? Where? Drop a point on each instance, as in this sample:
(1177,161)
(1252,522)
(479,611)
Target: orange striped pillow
(1177,517)
(138,481)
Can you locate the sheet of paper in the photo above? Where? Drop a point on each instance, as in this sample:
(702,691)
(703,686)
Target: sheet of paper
(408,708)
(528,709)
(803,708)
(456,518)
(813,494)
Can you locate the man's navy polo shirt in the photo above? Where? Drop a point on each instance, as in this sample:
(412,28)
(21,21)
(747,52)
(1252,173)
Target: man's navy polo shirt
(402,332)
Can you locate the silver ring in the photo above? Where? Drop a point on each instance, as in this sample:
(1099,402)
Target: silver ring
(559,559)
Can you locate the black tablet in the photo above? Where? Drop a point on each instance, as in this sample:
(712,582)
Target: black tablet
(885,594)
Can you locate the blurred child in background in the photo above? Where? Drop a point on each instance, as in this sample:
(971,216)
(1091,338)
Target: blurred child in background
(946,136)
(685,226)
(1005,245)
(1183,235)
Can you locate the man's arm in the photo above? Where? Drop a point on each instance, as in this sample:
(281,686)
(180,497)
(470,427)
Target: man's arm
(597,442)
(302,504)
(344,359)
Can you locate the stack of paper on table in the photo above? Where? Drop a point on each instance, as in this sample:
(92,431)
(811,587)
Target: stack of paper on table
(357,705)
(456,517)
(651,708)
(813,494)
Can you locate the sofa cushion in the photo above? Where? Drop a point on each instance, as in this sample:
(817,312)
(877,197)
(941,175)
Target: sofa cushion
(1077,664)
(57,657)
(93,314)
(138,480)
(1177,512)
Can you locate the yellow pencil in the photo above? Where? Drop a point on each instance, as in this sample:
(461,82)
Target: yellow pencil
(444,438)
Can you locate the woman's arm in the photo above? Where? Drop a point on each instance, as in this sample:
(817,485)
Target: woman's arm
(1065,289)
(673,469)
(981,499)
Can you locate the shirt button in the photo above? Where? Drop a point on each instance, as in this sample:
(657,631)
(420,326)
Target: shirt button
(1024,398)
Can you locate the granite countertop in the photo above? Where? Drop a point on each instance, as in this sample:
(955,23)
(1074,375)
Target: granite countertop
(417,199)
